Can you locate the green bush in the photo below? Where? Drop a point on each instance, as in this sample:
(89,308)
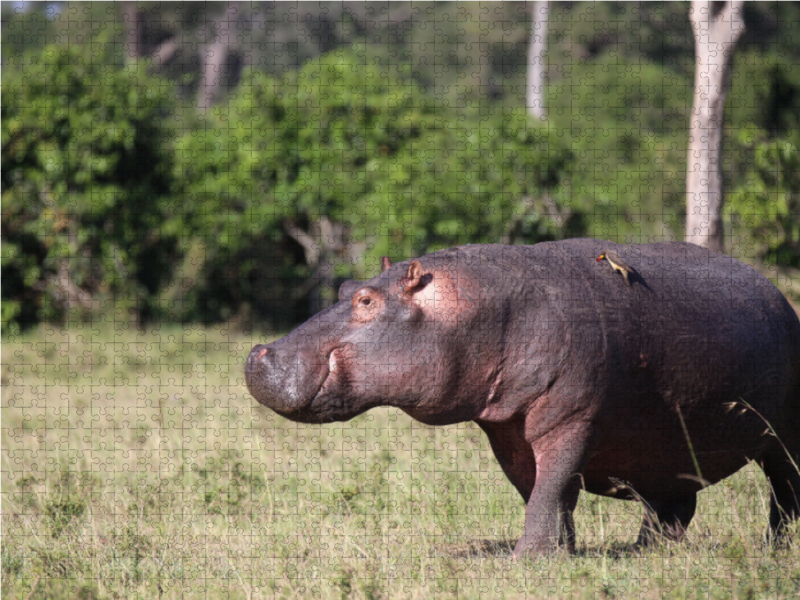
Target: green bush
(354,143)
(764,209)
(102,207)
(62,513)
(87,185)
(763,159)
(626,120)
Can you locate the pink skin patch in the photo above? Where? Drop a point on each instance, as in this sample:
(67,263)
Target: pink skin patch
(262,353)
(445,299)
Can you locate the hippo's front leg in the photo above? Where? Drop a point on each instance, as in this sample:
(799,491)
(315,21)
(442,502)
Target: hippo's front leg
(560,460)
(513,453)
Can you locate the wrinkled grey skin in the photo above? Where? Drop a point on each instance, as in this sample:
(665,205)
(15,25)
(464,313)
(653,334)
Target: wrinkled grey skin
(578,381)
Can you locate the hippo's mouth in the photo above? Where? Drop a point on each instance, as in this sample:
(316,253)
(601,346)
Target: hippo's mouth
(325,376)
(305,388)
(320,403)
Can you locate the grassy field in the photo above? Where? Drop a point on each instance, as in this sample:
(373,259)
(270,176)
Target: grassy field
(135,465)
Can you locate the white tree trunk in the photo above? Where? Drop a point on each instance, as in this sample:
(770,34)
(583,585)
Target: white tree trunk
(717,27)
(537,60)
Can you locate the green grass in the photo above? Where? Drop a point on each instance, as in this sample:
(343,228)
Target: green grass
(135,465)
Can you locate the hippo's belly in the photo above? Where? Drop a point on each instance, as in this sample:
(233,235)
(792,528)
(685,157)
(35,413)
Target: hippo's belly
(658,464)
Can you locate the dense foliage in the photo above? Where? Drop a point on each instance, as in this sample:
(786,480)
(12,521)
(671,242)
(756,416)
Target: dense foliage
(764,142)
(381,135)
(102,202)
(87,185)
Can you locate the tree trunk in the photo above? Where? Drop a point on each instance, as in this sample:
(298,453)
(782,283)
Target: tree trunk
(537,63)
(717,27)
(217,58)
(132,26)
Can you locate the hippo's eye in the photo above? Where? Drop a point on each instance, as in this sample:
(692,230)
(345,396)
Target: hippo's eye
(367,304)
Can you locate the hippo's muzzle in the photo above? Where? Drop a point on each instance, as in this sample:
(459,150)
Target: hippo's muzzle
(283,377)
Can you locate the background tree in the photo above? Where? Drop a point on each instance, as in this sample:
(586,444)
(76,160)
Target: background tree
(354,164)
(356,130)
(717,27)
(220,59)
(537,57)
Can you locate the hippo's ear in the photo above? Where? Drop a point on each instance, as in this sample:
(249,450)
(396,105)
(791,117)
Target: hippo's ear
(413,278)
(385,263)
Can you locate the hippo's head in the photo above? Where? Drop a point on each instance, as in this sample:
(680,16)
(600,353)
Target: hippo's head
(399,339)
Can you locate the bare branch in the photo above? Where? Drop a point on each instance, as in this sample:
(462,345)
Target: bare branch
(166,52)
(308,243)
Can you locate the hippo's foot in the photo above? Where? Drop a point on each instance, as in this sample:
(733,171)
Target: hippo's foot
(535,545)
(560,460)
(666,520)
(549,530)
(549,527)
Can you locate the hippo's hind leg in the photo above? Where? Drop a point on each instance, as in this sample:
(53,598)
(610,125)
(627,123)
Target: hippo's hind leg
(666,519)
(784,479)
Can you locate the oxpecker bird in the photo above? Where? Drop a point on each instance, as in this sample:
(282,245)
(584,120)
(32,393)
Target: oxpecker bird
(617,264)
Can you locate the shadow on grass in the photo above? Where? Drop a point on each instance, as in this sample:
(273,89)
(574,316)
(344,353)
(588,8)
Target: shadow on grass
(612,550)
(477,548)
(505,548)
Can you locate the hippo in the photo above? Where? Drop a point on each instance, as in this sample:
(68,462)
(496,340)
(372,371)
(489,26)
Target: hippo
(648,392)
